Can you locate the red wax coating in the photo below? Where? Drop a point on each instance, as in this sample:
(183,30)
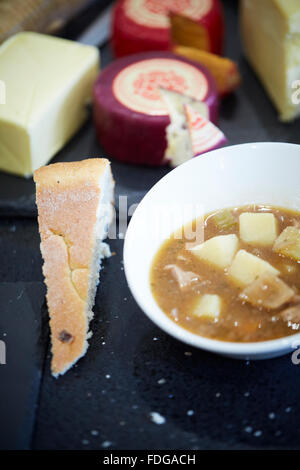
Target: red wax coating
(131,37)
(132,136)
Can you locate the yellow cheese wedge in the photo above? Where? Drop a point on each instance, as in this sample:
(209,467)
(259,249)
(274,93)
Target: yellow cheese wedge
(271,38)
(48,83)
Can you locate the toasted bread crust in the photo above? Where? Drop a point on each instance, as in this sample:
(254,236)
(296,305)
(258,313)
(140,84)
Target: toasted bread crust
(67,196)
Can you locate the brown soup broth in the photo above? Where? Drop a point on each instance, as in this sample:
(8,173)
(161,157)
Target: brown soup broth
(238,321)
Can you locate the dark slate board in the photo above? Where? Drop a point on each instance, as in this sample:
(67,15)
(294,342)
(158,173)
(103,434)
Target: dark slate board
(207,401)
(24,337)
(132,368)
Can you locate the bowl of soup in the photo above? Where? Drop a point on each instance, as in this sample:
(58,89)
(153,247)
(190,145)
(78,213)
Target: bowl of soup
(212,253)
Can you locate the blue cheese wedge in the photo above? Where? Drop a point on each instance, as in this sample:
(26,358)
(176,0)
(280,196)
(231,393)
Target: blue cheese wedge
(48,83)
(271,37)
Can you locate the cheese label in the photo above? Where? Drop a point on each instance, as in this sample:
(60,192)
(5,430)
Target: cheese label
(204,134)
(154,13)
(137,86)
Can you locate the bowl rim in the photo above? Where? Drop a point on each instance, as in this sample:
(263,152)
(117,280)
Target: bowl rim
(161,319)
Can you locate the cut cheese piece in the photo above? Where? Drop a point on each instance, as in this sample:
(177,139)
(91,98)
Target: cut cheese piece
(224,71)
(288,243)
(218,250)
(48,85)
(74,203)
(179,148)
(246,268)
(130,112)
(187,32)
(258,228)
(144,25)
(209,306)
(204,135)
(176,101)
(271,37)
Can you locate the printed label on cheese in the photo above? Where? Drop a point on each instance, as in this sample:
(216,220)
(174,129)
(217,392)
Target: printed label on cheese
(204,134)
(154,13)
(137,86)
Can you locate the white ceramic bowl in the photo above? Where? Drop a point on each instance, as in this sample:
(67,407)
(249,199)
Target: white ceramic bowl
(261,173)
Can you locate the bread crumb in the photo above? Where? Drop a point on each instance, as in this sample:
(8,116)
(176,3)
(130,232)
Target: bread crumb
(106,444)
(157,418)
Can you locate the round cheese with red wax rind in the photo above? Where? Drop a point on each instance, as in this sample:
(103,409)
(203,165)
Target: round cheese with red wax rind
(144,25)
(130,114)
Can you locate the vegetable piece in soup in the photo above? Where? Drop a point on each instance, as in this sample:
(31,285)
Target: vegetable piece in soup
(288,243)
(218,251)
(208,306)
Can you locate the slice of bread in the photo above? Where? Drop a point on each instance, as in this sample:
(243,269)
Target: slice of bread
(75,209)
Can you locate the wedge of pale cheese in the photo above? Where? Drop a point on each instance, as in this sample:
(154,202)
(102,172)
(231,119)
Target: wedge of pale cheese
(179,148)
(47,83)
(204,135)
(271,38)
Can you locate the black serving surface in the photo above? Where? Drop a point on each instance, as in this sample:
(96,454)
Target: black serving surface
(132,369)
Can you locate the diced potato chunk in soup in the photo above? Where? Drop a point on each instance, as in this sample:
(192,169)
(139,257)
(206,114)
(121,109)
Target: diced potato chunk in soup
(258,228)
(242,283)
(246,267)
(208,306)
(218,251)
